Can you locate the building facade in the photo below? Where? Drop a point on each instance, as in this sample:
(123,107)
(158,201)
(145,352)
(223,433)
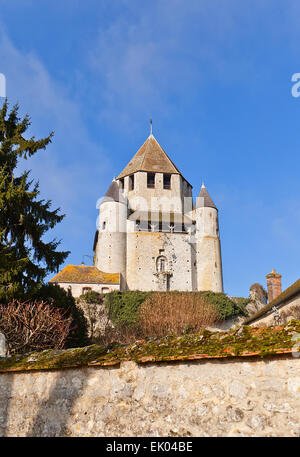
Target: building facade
(151,235)
(150,231)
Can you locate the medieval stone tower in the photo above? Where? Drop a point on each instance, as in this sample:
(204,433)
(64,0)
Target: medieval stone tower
(151,233)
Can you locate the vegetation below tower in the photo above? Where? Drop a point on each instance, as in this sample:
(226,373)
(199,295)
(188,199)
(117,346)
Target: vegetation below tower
(136,314)
(242,342)
(123,307)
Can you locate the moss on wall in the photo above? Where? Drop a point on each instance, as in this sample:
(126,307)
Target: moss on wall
(247,341)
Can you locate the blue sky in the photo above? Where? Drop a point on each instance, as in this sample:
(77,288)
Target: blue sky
(215,76)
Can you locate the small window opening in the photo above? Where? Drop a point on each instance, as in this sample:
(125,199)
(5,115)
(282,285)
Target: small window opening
(85,290)
(167,181)
(161,264)
(122,184)
(131,182)
(151,180)
(104,225)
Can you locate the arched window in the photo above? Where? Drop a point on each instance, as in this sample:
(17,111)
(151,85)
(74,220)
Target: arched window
(85,290)
(161,264)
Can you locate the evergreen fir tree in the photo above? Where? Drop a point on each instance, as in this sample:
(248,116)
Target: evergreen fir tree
(25,259)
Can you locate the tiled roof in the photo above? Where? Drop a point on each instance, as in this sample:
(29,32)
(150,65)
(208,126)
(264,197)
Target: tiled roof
(279,300)
(204,199)
(83,274)
(150,157)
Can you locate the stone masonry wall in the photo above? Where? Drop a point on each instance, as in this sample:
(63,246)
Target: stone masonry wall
(286,309)
(201,398)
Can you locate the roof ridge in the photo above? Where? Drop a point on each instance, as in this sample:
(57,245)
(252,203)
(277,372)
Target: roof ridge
(146,148)
(172,163)
(150,157)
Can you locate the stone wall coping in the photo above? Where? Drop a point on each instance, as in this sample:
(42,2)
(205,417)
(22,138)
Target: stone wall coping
(238,344)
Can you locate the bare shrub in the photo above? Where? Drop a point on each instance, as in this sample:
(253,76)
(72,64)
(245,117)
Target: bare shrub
(33,326)
(163,314)
(120,334)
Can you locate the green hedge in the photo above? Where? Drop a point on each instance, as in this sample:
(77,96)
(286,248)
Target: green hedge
(123,307)
(91,297)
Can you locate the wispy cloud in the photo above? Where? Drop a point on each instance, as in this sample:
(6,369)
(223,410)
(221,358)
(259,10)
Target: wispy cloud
(72,168)
(153,51)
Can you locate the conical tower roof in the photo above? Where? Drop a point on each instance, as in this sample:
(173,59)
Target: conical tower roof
(152,158)
(204,199)
(113,193)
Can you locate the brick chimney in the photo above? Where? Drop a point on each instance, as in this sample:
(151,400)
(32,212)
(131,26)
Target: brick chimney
(273,284)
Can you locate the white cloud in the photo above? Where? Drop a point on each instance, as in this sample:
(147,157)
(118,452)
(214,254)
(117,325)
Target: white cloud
(64,169)
(73,171)
(156,50)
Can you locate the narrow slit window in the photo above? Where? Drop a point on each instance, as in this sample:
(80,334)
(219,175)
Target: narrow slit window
(131,182)
(122,184)
(151,180)
(167,181)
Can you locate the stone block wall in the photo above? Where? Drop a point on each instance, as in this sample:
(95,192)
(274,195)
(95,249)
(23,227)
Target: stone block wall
(237,397)
(287,311)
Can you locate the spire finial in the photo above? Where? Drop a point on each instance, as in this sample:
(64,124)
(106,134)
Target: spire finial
(203,184)
(150,127)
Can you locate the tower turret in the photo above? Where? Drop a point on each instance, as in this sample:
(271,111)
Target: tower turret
(208,247)
(110,249)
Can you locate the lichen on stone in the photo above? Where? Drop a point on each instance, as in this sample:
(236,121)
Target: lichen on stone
(246,341)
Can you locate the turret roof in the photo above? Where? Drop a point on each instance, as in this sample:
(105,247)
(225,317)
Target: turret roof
(204,199)
(150,157)
(113,193)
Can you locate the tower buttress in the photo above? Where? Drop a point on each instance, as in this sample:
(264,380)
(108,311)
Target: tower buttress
(110,250)
(208,246)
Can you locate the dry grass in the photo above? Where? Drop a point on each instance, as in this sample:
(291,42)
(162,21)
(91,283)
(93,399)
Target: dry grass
(163,314)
